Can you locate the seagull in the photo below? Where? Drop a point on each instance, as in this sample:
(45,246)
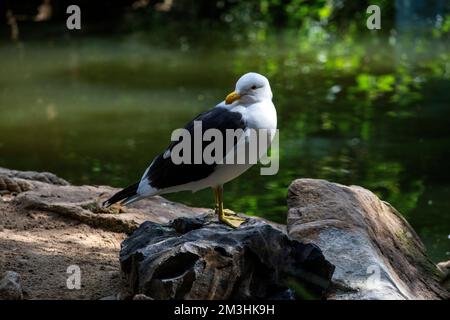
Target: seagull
(249,106)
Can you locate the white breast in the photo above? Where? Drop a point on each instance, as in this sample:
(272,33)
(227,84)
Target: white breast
(262,115)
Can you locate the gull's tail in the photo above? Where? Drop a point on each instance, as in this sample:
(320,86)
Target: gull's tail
(126,196)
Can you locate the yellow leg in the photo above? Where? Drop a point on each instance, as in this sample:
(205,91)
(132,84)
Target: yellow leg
(226,212)
(226,216)
(216,200)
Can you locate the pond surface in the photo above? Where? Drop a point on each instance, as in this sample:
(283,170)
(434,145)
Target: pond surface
(373,113)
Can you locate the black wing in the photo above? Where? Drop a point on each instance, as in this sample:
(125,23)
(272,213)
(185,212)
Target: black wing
(163,173)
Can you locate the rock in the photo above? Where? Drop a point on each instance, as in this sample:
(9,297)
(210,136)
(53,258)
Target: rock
(10,185)
(10,286)
(199,258)
(110,297)
(376,252)
(444,268)
(141,297)
(45,177)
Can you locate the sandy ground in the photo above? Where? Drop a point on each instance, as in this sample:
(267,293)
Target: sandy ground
(40,246)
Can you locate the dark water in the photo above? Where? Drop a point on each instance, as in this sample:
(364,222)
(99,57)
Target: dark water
(373,113)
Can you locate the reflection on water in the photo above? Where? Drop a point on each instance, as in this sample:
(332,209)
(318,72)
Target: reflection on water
(365,113)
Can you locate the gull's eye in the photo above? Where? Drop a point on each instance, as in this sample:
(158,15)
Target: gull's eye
(253,87)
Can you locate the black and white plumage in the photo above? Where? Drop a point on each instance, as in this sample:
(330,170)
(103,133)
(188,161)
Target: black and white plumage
(165,174)
(248,107)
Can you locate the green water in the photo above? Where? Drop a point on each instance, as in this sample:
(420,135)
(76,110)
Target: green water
(372,113)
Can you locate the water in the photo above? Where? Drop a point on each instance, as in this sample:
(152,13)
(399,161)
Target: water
(371,113)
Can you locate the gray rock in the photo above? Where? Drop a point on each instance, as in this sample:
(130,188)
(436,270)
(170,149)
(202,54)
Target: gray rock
(376,252)
(10,286)
(45,177)
(110,297)
(444,268)
(141,297)
(199,258)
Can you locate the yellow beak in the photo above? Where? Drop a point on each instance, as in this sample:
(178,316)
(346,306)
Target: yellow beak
(232,97)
